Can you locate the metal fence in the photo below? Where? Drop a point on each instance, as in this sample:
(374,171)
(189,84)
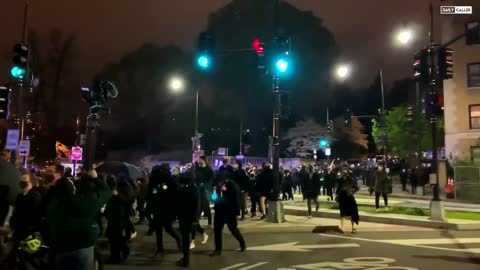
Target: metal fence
(467,183)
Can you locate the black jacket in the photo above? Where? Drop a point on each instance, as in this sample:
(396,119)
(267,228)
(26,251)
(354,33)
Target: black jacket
(162,196)
(241,178)
(264,183)
(187,199)
(228,202)
(311,187)
(117,213)
(26,217)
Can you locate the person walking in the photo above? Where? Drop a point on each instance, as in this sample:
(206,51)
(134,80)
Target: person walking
(204,179)
(346,189)
(188,208)
(383,187)
(413,176)
(161,202)
(264,187)
(117,213)
(404,179)
(227,207)
(311,189)
(241,179)
(287,186)
(70,218)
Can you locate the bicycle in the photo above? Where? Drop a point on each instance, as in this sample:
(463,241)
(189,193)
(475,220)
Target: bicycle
(32,254)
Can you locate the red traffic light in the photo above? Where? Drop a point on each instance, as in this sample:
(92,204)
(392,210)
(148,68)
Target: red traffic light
(258,46)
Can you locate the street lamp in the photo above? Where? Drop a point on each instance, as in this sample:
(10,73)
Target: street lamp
(176,84)
(342,71)
(404,36)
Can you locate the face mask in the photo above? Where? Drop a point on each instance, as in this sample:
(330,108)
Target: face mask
(380,169)
(235,166)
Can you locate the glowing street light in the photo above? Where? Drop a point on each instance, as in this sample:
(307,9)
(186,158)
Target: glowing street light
(343,71)
(404,36)
(176,84)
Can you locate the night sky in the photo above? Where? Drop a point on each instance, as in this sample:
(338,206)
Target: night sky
(107,29)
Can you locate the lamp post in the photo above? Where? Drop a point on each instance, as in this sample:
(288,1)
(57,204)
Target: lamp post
(176,84)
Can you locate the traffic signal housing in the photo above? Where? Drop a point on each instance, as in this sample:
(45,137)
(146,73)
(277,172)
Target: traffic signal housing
(4,101)
(433,108)
(324,143)
(259,48)
(281,55)
(20,61)
(347,118)
(204,55)
(421,66)
(410,114)
(445,63)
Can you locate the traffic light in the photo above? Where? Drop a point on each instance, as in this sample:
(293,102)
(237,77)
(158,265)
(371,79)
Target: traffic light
(259,47)
(98,97)
(323,143)
(20,61)
(347,119)
(410,114)
(445,63)
(432,105)
(329,126)
(205,51)
(421,66)
(4,101)
(281,58)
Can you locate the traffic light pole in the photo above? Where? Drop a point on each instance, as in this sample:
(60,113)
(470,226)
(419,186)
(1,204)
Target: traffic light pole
(437,211)
(91,141)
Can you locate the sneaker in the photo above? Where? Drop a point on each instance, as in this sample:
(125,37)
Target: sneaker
(264,217)
(310,216)
(215,253)
(133,235)
(182,263)
(205,238)
(192,244)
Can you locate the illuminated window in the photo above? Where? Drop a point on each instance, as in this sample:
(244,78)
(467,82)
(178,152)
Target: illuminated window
(474,114)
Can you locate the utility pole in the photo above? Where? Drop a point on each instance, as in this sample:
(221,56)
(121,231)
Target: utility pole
(436,205)
(276,212)
(241,135)
(384,135)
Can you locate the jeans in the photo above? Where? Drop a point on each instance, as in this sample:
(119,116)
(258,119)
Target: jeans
(80,259)
(377,199)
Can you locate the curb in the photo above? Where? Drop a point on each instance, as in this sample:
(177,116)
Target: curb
(394,220)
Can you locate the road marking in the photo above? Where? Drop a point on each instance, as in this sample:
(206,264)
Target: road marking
(372,263)
(471,250)
(253,266)
(233,266)
(439,241)
(292,246)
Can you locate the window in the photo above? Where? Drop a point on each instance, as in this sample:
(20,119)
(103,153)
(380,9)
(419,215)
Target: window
(472,37)
(474,116)
(473,73)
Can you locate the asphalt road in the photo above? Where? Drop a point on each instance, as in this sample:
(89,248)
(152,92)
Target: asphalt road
(293,246)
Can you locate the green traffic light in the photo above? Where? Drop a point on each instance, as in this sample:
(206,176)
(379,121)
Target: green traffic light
(282,65)
(17,72)
(323,143)
(203,61)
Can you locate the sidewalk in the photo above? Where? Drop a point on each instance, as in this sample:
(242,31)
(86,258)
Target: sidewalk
(413,201)
(389,218)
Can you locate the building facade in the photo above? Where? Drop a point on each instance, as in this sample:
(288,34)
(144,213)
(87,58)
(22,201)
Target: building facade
(462,93)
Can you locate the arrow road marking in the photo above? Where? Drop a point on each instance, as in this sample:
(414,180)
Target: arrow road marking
(300,248)
(409,243)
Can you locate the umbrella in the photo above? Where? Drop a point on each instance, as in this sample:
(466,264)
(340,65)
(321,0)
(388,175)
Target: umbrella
(120,170)
(10,176)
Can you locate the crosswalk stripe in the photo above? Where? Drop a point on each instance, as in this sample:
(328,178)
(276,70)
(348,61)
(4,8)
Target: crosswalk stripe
(406,243)
(433,241)
(253,266)
(233,266)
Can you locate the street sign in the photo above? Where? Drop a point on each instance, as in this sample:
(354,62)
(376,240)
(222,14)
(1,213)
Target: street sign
(12,139)
(328,152)
(77,153)
(222,151)
(24,148)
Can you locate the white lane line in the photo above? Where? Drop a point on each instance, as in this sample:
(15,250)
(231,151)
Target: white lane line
(439,241)
(253,266)
(471,250)
(233,266)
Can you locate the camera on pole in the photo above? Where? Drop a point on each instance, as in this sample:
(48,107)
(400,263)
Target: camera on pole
(98,97)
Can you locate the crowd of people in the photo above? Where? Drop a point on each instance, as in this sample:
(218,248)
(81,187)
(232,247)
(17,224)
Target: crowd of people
(69,212)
